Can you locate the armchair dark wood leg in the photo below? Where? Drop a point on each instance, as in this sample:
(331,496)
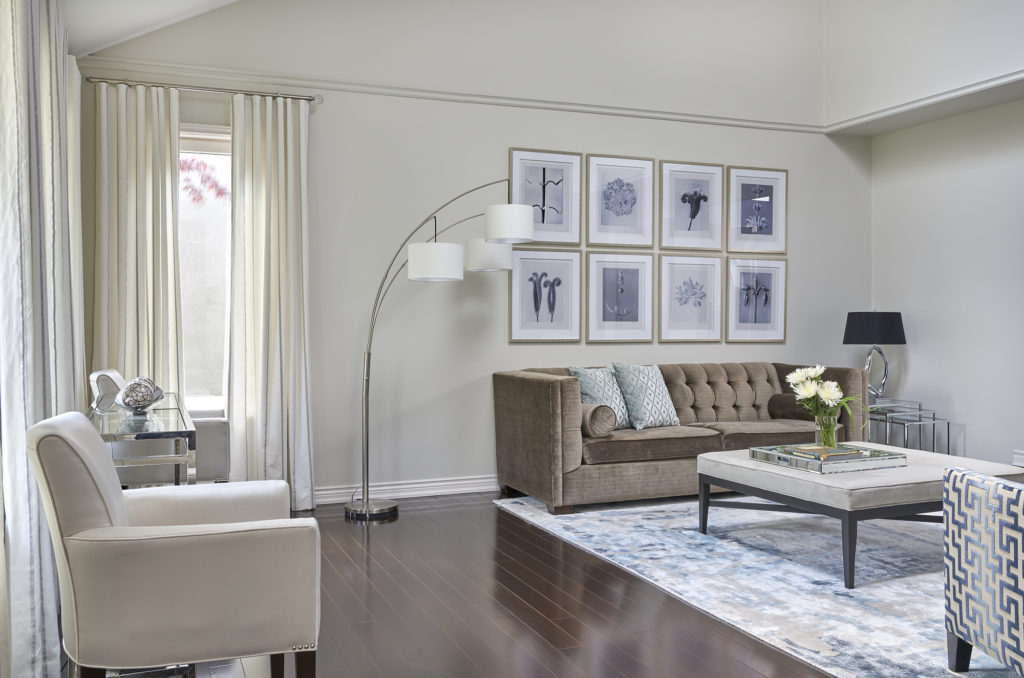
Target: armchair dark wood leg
(305,664)
(91,672)
(959,652)
(277,666)
(561,510)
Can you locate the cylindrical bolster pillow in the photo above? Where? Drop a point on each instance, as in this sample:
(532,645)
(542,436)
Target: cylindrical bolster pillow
(785,406)
(598,420)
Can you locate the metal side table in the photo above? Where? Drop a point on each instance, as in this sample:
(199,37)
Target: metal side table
(924,422)
(167,420)
(906,415)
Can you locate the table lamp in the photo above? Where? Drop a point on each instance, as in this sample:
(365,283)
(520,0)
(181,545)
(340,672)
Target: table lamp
(875,327)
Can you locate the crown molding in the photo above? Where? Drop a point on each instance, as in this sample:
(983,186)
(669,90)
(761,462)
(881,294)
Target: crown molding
(109,67)
(992,92)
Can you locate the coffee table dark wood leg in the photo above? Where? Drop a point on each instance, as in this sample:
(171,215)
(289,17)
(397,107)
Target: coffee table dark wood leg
(703,498)
(849,548)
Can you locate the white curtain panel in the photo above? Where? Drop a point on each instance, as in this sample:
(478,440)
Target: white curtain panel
(42,369)
(268,378)
(136,289)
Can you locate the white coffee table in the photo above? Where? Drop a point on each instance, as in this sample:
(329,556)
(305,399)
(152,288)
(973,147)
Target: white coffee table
(905,493)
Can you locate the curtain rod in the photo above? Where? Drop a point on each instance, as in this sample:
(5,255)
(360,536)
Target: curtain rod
(318,99)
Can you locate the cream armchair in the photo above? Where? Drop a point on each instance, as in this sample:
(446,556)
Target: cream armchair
(173,575)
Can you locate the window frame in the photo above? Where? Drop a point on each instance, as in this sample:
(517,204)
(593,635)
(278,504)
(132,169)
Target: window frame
(211,140)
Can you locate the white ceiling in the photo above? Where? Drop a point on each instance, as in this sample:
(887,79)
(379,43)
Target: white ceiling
(96,24)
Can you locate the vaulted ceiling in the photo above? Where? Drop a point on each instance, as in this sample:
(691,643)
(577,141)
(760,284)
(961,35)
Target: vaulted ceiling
(96,24)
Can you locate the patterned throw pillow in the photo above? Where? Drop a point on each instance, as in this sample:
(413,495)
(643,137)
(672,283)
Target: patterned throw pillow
(647,399)
(598,386)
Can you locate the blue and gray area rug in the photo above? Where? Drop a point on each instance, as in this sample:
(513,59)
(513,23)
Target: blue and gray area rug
(779,578)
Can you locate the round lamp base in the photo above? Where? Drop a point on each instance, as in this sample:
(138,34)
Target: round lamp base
(371,510)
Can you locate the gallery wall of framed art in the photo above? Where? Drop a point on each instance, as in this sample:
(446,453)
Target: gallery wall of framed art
(672,251)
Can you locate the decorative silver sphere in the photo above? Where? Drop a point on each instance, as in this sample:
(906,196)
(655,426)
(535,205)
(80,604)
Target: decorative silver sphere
(139,393)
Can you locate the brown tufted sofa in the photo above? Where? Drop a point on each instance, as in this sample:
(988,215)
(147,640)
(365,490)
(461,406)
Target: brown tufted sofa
(542,452)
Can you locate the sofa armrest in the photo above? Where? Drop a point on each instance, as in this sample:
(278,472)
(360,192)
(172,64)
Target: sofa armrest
(208,503)
(854,382)
(537,431)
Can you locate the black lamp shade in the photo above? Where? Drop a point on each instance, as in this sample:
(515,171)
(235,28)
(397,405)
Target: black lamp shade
(874,327)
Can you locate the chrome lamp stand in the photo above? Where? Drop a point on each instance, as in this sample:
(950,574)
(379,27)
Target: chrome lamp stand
(513,230)
(877,392)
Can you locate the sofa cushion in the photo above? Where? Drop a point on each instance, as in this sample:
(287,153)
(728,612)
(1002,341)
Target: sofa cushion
(721,391)
(738,435)
(647,399)
(785,406)
(599,387)
(598,420)
(666,442)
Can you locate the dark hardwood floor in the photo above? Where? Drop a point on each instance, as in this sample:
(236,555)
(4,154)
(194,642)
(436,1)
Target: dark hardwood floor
(456,587)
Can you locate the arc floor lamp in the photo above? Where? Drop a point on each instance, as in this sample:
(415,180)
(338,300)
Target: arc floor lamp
(434,261)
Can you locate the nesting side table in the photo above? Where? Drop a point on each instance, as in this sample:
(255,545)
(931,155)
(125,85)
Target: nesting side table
(908,417)
(167,420)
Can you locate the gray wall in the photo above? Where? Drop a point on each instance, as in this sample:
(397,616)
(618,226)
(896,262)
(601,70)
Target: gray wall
(882,56)
(948,235)
(421,104)
(383,163)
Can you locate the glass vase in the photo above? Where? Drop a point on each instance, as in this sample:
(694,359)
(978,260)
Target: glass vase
(825,430)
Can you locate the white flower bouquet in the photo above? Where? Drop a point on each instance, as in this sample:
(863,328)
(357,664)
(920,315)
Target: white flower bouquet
(823,399)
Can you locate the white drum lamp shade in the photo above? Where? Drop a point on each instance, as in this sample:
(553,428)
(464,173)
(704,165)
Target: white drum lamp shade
(435,261)
(488,256)
(508,223)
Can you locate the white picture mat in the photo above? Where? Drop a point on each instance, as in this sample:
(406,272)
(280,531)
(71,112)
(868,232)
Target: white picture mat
(684,321)
(524,325)
(676,230)
(524,163)
(750,242)
(770,273)
(635,228)
(636,301)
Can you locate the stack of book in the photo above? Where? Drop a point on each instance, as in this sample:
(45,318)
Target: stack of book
(818,459)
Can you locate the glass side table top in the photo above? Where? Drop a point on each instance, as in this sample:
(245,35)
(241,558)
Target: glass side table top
(886,405)
(166,419)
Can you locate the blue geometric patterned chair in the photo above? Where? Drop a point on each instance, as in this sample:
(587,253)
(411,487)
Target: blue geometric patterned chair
(984,566)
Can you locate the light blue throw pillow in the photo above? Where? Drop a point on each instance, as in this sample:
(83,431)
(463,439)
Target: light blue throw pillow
(599,387)
(647,399)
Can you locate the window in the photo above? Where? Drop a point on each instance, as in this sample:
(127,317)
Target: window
(204,244)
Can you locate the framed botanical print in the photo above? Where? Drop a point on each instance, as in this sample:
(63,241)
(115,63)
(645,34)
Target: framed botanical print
(544,296)
(619,297)
(691,205)
(550,181)
(757,210)
(756,296)
(620,201)
(690,298)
